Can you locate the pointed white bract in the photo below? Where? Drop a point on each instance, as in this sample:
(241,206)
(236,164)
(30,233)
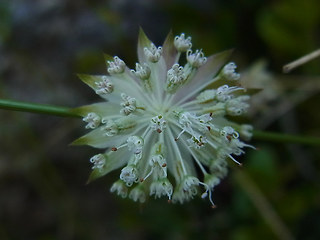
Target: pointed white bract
(158,121)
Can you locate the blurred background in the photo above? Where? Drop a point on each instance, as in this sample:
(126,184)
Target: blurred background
(43,191)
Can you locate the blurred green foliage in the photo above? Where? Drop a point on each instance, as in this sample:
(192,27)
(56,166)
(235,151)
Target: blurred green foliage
(43,44)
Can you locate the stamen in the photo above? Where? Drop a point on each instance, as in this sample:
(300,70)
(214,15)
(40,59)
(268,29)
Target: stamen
(232,158)
(179,135)
(205,194)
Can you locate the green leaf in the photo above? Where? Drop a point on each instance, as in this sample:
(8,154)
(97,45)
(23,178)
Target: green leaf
(169,51)
(103,109)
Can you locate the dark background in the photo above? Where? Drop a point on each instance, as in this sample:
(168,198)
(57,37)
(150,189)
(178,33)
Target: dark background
(45,43)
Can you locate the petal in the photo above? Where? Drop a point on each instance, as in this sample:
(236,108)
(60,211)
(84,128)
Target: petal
(90,80)
(143,41)
(169,51)
(96,138)
(107,58)
(114,160)
(158,76)
(102,109)
(204,75)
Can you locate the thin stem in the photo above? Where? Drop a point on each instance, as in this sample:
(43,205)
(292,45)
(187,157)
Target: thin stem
(285,138)
(36,108)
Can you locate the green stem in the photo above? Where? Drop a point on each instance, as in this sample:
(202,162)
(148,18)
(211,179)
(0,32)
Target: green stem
(67,112)
(36,108)
(286,138)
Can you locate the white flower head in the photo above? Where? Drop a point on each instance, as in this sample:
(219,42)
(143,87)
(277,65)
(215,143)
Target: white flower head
(110,128)
(228,72)
(153,53)
(104,87)
(129,175)
(161,187)
(138,194)
(158,123)
(175,77)
(159,120)
(196,59)
(142,71)
(98,161)
(181,43)
(128,104)
(93,120)
(116,66)
(120,188)
(135,144)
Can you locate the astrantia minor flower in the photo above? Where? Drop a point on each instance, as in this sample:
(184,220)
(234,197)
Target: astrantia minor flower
(160,121)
